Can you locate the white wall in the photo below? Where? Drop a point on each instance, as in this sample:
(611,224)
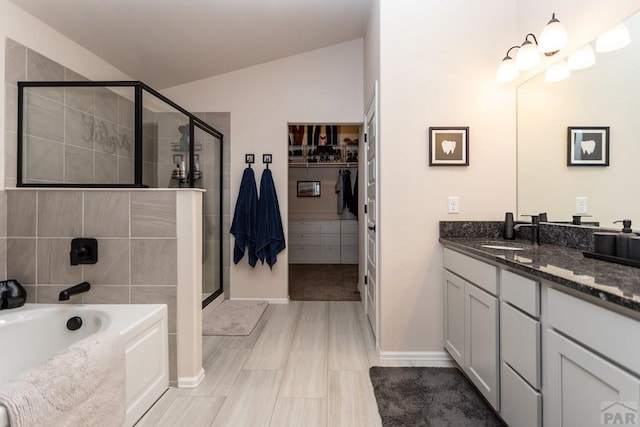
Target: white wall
(372,50)
(321,86)
(31,32)
(438,63)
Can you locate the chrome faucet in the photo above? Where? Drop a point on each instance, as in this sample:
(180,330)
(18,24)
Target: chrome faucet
(74,290)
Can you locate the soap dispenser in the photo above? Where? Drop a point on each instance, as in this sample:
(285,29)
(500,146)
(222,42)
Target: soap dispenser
(622,239)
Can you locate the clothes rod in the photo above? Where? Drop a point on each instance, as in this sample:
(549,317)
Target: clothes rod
(323,165)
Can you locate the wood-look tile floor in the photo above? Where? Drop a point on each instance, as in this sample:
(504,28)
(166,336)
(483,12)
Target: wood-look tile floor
(305,364)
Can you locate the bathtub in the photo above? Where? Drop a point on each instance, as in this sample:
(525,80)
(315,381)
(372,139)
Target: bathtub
(31,334)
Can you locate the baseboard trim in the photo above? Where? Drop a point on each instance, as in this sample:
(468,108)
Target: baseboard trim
(429,358)
(269,300)
(191,382)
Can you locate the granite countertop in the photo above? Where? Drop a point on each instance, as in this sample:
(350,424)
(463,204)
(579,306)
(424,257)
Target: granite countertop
(568,267)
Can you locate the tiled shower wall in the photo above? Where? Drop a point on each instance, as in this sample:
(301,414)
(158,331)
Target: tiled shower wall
(137,246)
(85,134)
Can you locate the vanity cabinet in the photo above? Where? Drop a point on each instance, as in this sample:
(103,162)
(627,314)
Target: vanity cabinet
(471,320)
(561,360)
(592,368)
(323,242)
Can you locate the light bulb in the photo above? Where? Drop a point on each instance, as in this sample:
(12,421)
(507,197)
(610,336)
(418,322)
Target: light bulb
(507,71)
(557,72)
(527,56)
(582,58)
(614,39)
(553,38)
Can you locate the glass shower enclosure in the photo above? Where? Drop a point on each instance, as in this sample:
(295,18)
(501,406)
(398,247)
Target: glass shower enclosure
(121,134)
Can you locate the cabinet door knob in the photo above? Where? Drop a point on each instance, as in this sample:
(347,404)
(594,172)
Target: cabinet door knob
(372,227)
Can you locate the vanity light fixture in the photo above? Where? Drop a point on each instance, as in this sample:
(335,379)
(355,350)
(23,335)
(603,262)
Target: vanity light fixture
(553,37)
(507,70)
(557,72)
(582,58)
(614,39)
(528,56)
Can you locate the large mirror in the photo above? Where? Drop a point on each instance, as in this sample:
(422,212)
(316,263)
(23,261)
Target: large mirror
(604,95)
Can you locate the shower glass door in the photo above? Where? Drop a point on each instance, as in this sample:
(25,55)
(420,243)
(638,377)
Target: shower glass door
(208,175)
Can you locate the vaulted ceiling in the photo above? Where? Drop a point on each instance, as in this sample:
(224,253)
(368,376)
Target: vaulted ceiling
(169,42)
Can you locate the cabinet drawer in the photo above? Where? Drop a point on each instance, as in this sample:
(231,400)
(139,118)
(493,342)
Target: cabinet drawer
(521,292)
(330,227)
(521,405)
(348,255)
(350,240)
(477,272)
(330,239)
(330,254)
(301,254)
(349,227)
(305,239)
(612,334)
(520,341)
(304,227)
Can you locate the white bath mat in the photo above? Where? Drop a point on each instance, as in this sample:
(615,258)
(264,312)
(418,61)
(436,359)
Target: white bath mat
(233,318)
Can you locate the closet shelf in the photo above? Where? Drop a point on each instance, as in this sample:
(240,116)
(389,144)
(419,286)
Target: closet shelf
(324,165)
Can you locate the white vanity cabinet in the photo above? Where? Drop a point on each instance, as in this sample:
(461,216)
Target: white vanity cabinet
(592,364)
(471,320)
(560,359)
(323,242)
(314,242)
(520,344)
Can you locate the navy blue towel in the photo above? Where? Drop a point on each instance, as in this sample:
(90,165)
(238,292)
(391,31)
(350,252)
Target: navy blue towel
(270,236)
(244,222)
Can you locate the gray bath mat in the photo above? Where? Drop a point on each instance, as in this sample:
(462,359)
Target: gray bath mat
(233,318)
(428,397)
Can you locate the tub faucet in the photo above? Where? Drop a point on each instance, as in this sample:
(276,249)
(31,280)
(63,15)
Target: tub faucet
(74,290)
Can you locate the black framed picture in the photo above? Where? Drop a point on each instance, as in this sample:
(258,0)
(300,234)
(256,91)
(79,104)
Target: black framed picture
(308,189)
(448,146)
(588,146)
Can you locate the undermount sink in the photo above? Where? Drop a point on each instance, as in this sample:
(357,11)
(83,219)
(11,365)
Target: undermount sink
(502,247)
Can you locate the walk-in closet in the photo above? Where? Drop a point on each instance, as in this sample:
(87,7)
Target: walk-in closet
(323,202)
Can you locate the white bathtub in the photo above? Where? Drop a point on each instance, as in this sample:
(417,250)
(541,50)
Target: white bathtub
(31,334)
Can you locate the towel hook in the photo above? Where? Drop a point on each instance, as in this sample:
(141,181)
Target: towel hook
(267,159)
(249,159)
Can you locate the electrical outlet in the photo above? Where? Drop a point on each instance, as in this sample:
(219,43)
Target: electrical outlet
(581,205)
(454,205)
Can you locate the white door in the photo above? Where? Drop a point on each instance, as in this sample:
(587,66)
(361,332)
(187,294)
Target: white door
(454,316)
(371,197)
(481,342)
(584,389)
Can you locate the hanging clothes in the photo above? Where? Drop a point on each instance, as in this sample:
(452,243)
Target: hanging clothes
(244,222)
(353,203)
(339,192)
(270,234)
(346,189)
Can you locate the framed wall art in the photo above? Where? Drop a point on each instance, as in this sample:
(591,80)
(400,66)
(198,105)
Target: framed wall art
(588,146)
(308,189)
(448,146)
